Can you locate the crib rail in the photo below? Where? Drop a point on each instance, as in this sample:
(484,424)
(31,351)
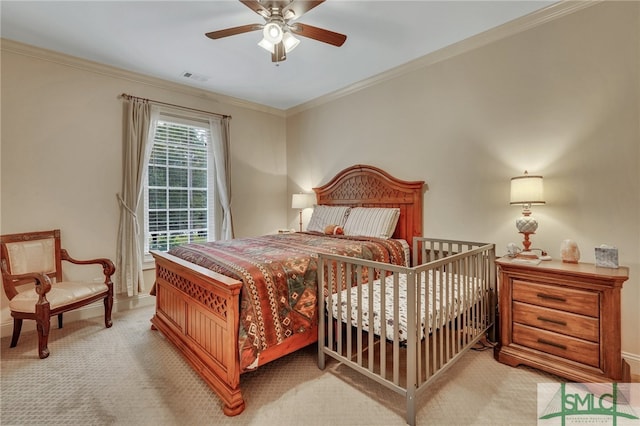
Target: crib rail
(401,326)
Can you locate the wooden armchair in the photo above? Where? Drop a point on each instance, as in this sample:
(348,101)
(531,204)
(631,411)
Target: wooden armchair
(35,259)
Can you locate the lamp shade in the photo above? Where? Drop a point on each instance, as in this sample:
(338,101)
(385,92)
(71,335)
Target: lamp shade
(527,189)
(272,32)
(267,45)
(290,42)
(301,201)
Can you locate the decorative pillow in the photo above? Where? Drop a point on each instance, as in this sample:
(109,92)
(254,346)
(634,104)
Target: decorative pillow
(327,215)
(376,222)
(333,230)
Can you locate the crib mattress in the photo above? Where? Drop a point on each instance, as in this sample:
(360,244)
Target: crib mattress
(449,295)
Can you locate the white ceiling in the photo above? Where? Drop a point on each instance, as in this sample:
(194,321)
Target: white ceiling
(165,39)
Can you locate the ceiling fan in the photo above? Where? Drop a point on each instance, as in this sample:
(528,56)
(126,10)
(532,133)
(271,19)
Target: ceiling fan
(278,28)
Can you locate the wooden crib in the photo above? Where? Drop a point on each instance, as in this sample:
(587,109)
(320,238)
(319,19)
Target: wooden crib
(403,326)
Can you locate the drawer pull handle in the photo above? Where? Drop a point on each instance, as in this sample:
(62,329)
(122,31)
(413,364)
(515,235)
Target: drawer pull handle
(556,298)
(557,345)
(553,321)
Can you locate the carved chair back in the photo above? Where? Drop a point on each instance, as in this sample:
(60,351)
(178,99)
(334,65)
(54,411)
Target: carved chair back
(30,252)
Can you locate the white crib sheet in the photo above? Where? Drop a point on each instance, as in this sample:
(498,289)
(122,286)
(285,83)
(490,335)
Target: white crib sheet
(453,305)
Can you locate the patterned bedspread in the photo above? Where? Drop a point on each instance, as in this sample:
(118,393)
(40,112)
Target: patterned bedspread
(279,273)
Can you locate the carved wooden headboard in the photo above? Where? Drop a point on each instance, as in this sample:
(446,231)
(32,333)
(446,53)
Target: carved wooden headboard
(368,186)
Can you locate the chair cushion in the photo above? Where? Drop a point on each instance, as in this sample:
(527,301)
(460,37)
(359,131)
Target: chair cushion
(61,294)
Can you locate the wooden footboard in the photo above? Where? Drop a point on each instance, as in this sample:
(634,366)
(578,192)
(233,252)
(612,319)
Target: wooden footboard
(198,311)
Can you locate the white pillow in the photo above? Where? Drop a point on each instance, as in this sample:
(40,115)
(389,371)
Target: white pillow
(375,222)
(327,215)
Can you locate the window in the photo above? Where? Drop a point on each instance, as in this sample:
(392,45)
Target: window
(179,187)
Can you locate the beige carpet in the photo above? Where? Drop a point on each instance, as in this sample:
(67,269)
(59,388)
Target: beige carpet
(130,375)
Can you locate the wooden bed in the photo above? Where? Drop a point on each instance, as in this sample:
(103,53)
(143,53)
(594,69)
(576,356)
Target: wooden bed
(198,309)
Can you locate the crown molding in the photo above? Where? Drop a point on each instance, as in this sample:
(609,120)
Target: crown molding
(18,48)
(532,20)
(524,23)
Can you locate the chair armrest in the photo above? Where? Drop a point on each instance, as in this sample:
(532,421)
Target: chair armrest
(107,265)
(42,283)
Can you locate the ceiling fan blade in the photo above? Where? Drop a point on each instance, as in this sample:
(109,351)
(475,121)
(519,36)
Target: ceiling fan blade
(301,7)
(319,34)
(256,7)
(279,54)
(233,31)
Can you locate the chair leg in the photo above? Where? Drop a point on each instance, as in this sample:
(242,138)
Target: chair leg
(43,324)
(108,306)
(43,340)
(17,327)
(59,320)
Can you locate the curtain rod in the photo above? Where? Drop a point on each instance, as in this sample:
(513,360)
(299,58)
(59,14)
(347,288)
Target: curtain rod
(124,95)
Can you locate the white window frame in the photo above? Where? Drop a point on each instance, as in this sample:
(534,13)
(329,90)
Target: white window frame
(203,124)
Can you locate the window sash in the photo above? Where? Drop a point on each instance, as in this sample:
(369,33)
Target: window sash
(179,185)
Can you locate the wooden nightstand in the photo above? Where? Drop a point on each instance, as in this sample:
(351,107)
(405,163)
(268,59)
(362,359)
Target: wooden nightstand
(562,318)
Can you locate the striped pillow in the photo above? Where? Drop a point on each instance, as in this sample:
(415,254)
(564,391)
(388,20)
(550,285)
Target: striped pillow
(327,215)
(376,222)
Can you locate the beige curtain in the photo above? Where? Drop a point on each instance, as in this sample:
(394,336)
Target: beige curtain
(220,145)
(140,119)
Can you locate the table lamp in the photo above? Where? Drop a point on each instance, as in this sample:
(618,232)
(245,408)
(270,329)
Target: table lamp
(527,190)
(301,202)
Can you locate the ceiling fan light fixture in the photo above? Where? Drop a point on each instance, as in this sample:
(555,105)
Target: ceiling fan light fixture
(289,41)
(267,45)
(278,30)
(272,32)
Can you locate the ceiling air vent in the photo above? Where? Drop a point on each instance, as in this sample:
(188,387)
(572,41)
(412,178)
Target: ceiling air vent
(193,76)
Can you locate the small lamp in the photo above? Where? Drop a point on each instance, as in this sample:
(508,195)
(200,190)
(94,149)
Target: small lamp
(271,35)
(301,202)
(527,190)
(290,42)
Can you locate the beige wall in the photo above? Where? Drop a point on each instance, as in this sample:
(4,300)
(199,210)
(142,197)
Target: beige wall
(560,99)
(62,152)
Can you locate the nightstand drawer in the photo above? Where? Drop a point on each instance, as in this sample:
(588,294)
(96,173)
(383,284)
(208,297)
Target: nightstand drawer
(575,325)
(565,299)
(557,344)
